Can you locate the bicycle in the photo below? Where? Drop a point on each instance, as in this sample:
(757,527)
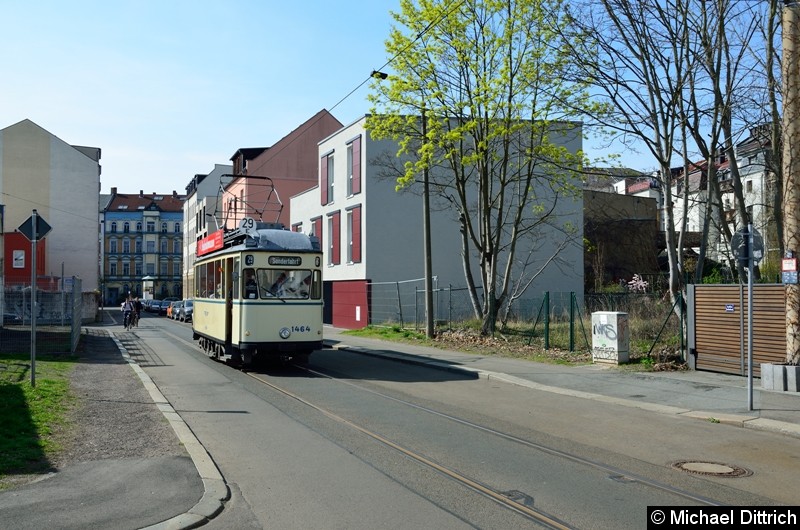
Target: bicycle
(127,317)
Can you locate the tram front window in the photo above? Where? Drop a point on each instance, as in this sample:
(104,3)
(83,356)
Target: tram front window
(278,283)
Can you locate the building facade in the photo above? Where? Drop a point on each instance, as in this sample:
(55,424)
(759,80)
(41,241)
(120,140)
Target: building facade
(143,246)
(62,183)
(263,184)
(371,234)
(257,184)
(203,198)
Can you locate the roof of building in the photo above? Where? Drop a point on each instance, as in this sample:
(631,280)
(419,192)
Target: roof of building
(131,202)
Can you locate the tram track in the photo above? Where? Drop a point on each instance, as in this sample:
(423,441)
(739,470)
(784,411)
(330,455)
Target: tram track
(514,501)
(538,516)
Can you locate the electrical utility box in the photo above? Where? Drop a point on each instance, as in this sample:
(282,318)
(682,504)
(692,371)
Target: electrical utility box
(611,337)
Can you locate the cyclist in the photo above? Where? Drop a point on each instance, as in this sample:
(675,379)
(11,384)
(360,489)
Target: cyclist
(137,311)
(127,310)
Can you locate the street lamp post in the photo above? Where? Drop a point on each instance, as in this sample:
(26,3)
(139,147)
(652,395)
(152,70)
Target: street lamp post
(426,236)
(426,223)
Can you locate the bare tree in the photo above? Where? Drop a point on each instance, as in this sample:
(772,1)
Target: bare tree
(637,63)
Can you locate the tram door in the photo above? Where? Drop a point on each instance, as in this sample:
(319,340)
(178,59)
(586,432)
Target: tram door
(228,271)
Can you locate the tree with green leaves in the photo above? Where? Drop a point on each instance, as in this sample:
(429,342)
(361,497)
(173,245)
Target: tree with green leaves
(477,102)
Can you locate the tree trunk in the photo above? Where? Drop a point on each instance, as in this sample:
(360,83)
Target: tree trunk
(791,172)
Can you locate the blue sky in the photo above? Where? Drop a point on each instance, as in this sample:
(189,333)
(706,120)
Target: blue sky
(169,88)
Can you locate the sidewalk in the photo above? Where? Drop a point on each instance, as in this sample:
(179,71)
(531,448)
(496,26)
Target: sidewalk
(697,394)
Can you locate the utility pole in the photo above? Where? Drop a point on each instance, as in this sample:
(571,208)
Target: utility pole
(790,19)
(426,236)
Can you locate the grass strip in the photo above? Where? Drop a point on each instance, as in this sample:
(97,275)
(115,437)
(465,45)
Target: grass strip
(30,417)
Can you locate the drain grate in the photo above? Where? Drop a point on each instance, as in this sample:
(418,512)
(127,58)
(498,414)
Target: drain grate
(711,469)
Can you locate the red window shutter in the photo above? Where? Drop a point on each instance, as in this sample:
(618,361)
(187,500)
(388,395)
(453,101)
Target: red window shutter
(336,239)
(356,186)
(356,218)
(323,180)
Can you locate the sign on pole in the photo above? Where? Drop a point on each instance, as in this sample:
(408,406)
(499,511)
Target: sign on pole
(741,241)
(34,228)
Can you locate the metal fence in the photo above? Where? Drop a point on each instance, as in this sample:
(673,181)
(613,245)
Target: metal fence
(402,303)
(58,312)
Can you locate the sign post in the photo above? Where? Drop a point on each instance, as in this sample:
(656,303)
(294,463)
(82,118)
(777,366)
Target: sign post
(747,244)
(34,228)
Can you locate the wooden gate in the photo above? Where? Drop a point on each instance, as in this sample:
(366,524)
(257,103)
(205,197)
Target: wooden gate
(717,327)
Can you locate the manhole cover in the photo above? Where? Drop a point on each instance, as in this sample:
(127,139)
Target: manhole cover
(711,469)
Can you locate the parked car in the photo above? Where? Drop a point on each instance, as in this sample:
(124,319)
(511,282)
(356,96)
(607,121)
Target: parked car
(162,307)
(11,318)
(175,312)
(187,310)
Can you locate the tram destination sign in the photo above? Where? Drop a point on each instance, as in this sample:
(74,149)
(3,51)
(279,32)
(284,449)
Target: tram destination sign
(286,261)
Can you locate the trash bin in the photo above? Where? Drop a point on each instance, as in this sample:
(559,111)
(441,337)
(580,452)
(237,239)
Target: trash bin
(611,337)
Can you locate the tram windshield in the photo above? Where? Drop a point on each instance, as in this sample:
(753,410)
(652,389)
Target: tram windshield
(299,284)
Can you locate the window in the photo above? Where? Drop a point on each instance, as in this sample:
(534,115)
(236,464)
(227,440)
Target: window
(177,228)
(354,235)
(151,247)
(150,268)
(334,257)
(112,246)
(126,227)
(151,226)
(330,178)
(326,179)
(114,227)
(749,186)
(349,169)
(126,246)
(354,167)
(163,245)
(163,268)
(176,246)
(280,283)
(112,269)
(138,269)
(138,226)
(316,230)
(126,269)
(138,245)
(163,228)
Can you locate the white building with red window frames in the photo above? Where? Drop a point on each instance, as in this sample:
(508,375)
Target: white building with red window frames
(370,233)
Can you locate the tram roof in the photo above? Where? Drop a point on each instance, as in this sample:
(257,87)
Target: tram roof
(272,239)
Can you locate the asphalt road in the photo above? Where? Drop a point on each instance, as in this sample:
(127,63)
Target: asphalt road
(378,443)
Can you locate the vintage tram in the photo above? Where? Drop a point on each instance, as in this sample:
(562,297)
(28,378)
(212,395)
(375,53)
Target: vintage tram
(258,294)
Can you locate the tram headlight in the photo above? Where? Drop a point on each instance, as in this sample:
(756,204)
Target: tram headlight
(284,333)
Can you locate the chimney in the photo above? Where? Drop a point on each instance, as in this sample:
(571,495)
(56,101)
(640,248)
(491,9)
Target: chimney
(113,190)
(141,194)
(174,194)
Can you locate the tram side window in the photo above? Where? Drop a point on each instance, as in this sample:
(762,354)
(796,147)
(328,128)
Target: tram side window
(316,285)
(219,280)
(250,287)
(208,289)
(199,282)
